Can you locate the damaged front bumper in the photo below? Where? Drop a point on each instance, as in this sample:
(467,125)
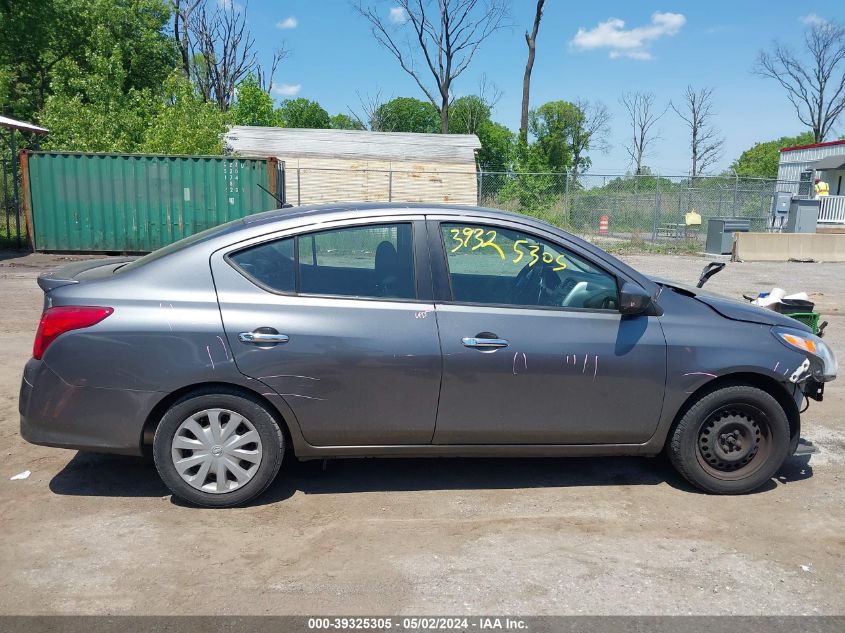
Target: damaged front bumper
(813,389)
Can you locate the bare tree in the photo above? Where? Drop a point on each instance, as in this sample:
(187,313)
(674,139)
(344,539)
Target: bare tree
(265,79)
(445,35)
(591,132)
(531,40)
(369,105)
(217,50)
(223,51)
(705,139)
(643,115)
(814,86)
(182,10)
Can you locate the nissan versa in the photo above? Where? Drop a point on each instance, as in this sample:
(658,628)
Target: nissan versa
(380,330)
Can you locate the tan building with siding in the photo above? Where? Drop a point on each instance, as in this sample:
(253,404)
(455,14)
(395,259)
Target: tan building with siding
(354,165)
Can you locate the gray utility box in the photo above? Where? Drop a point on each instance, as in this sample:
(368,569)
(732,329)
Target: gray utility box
(780,203)
(803,215)
(720,232)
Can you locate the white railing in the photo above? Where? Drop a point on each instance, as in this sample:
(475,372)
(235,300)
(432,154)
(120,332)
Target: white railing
(832,210)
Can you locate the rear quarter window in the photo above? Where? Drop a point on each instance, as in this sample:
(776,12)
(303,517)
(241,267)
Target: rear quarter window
(271,264)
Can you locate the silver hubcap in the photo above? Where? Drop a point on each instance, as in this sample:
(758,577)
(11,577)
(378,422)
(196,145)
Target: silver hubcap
(216,450)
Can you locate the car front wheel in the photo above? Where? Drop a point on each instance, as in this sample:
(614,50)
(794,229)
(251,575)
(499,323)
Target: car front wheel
(731,441)
(217,449)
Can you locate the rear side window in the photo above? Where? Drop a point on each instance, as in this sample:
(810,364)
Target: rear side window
(359,261)
(373,261)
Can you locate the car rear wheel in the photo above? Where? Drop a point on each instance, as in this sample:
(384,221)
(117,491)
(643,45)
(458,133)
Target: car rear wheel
(731,441)
(217,449)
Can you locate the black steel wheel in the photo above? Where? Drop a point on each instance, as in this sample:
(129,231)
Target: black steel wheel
(731,441)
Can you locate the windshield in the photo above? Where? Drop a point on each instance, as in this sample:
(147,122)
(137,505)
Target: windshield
(176,246)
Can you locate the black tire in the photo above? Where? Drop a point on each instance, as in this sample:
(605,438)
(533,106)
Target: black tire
(731,441)
(272,446)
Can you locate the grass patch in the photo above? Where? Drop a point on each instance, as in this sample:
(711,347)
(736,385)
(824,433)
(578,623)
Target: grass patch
(9,240)
(634,247)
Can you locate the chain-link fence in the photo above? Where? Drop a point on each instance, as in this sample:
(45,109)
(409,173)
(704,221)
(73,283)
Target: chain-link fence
(12,226)
(606,208)
(625,208)
(629,208)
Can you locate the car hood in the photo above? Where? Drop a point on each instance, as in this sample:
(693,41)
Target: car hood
(733,309)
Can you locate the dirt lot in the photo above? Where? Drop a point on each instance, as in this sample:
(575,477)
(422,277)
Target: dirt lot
(98,534)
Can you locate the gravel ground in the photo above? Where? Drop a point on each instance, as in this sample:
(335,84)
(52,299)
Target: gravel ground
(89,534)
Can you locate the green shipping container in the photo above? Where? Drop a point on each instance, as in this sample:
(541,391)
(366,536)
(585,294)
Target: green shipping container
(138,203)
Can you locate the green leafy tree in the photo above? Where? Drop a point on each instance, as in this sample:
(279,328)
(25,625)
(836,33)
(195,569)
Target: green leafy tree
(34,36)
(302,113)
(91,111)
(254,106)
(406,114)
(467,114)
(48,46)
(497,146)
(184,123)
(346,122)
(471,115)
(552,125)
(761,159)
(531,189)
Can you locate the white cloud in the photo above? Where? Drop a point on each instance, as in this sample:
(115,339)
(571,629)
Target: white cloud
(288,23)
(287,90)
(398,15)
(631,43)
(230,4)
(812,19)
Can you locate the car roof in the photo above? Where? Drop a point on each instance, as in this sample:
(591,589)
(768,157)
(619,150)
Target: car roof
(372,208)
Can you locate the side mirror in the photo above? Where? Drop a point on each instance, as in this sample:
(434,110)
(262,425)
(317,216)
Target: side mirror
(633,299)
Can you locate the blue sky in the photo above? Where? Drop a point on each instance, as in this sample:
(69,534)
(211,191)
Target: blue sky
(712,43)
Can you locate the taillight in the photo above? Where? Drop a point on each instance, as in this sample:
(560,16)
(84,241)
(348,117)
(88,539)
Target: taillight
(56,321)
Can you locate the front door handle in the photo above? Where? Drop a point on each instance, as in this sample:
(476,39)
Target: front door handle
(263,338)
(483,343)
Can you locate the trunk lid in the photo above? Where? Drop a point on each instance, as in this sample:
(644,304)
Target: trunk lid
(78,272)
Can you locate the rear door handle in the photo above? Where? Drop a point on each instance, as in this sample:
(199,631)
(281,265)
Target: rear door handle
(263,338)
(483,343)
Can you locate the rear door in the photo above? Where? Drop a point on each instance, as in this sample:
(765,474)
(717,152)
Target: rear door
(340,322)
(535,350)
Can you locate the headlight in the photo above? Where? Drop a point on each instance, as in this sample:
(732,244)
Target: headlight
(823,365)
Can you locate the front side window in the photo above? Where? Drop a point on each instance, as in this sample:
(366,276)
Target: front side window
(499,266)
(374,261)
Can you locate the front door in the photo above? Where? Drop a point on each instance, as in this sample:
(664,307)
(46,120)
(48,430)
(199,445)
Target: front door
(333,321)
(534,348)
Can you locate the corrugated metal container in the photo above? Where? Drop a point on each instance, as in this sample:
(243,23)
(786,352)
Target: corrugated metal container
(794,161)
(135,202)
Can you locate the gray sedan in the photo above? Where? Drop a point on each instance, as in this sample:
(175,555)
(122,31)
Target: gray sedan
(375,330)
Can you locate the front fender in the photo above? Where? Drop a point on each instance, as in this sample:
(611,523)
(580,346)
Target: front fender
(703,346)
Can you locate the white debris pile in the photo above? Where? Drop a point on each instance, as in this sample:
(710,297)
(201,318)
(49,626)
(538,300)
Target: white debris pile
(778,295)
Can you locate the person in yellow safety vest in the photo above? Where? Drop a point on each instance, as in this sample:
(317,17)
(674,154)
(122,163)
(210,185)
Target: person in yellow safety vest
(822,188)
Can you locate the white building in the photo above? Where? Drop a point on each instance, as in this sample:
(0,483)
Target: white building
(356,165)
(799,167)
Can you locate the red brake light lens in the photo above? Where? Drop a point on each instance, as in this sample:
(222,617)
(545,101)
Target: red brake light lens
(56,321)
